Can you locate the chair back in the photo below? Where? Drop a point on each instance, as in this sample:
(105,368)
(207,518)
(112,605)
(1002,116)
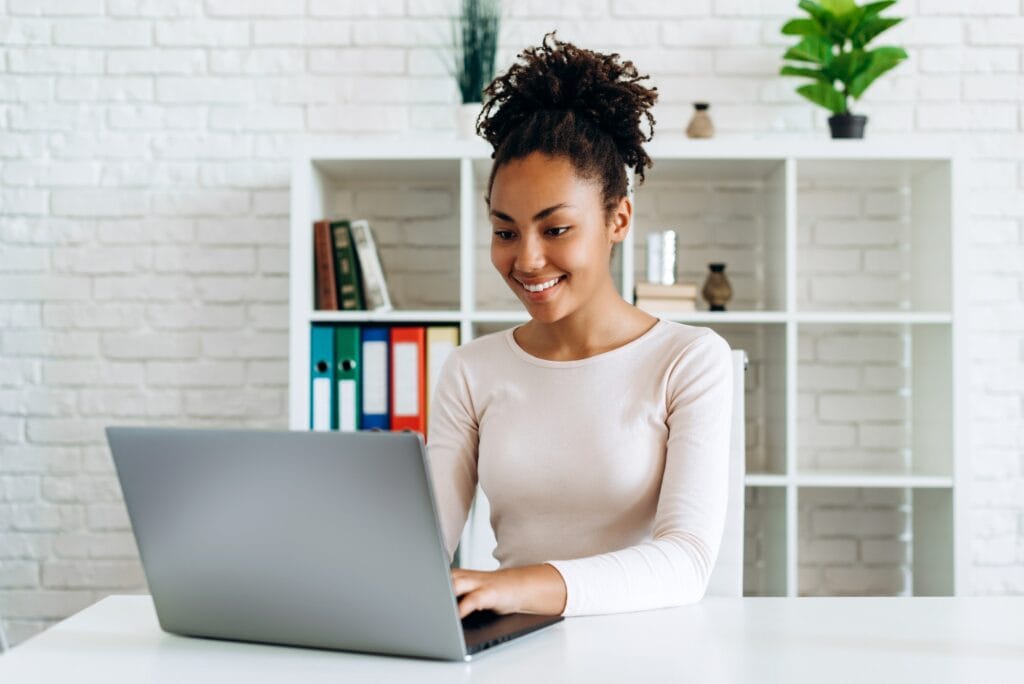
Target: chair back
(727,575)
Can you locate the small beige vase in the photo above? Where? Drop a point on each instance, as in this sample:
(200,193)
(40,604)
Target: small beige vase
(700,124)
(717,289)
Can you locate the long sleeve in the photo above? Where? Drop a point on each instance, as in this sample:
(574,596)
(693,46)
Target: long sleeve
(674,566)
(452,439)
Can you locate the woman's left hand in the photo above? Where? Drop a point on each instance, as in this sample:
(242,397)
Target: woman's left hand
(535,589)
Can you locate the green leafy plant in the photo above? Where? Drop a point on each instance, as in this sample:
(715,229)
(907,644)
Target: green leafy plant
(834,40)
(475,44)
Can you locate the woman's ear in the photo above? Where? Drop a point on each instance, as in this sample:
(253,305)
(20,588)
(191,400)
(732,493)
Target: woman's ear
(618,228)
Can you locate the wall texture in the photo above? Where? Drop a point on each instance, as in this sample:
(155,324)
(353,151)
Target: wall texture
(144,170)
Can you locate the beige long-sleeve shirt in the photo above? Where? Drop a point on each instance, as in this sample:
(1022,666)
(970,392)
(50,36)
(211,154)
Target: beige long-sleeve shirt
(611,468)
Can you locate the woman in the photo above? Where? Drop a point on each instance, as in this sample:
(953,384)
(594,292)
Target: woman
(599,433)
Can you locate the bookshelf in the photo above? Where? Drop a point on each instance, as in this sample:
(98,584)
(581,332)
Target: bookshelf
(846,259)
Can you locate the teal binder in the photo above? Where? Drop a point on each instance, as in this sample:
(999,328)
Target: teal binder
(348,370)
(322,414)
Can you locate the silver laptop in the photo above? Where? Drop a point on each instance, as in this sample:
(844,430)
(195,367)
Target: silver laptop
(318,539)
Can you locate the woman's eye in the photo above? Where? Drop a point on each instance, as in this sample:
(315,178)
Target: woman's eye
(554,232)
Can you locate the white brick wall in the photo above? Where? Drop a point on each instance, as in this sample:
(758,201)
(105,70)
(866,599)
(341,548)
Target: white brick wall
(143,239)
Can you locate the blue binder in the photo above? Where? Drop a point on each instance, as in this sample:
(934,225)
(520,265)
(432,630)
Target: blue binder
(322,395)
(376,380)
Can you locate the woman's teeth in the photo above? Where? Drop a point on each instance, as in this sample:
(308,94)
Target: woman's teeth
(542,286)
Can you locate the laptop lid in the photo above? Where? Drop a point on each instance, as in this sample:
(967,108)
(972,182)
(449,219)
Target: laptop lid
(322,539)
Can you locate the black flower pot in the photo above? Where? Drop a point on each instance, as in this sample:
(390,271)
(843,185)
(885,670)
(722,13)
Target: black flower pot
(847,125)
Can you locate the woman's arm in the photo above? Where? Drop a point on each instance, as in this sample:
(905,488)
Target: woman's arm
(452,440)
(674,567)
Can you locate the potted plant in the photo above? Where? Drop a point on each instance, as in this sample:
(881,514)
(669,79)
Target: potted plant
(834,40)
(474,43)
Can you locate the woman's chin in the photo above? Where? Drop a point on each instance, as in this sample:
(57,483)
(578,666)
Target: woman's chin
(544,314)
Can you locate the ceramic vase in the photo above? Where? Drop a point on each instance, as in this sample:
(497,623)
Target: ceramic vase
(700,125)
(717,290)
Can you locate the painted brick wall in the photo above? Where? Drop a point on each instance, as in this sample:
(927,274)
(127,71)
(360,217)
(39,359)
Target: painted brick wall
(143,233)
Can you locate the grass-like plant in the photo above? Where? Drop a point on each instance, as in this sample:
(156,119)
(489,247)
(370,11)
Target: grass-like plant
(475,44)
(834,40)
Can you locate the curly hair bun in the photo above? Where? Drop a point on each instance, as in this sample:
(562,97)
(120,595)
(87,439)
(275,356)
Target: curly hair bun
(558,80)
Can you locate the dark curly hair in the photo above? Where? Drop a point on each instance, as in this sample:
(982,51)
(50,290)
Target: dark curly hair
(575,103)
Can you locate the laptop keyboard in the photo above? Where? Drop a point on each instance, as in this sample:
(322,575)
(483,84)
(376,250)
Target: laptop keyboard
(486,628)
(479,618)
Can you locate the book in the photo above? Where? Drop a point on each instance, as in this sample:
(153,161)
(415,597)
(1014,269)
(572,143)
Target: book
(325,281)
(661,291)
(346,270)
(652,304)
(375,288)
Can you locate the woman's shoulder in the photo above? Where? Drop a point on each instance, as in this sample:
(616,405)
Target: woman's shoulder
(693,344)
(683,336)
(481,349)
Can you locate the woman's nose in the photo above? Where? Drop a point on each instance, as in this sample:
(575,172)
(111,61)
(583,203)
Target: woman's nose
(530,255)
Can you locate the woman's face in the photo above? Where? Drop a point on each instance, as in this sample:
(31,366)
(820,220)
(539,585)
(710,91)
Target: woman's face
(549,235)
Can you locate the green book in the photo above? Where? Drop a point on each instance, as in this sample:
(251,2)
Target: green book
(346,268)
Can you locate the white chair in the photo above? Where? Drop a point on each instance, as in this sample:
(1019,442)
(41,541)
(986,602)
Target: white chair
(727,575)
(477,544)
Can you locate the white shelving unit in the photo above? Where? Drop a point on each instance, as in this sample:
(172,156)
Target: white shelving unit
(846,262)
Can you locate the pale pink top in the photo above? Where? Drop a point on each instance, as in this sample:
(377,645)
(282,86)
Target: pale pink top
(611,468)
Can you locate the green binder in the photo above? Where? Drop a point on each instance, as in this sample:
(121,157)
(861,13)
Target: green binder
(348,371)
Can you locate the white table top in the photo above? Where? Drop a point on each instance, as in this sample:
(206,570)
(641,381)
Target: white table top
(976,639)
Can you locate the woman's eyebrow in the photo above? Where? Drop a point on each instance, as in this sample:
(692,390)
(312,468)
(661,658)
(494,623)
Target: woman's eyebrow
(540,214)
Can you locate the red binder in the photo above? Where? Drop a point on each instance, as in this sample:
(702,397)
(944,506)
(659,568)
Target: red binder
(408,379)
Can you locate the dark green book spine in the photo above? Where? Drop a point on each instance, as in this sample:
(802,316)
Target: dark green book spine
(350,290)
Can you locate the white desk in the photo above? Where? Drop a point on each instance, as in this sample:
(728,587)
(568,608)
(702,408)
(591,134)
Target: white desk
(718,640)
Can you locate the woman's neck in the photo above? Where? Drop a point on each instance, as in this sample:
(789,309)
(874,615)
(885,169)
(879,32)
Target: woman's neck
(605,323)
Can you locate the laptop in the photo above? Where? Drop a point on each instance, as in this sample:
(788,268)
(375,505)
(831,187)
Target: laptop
(317,539)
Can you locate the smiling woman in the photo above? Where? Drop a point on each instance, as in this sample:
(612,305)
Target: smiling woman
(599,433)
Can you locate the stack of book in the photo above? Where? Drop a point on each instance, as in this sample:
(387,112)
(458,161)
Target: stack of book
(347,267)
(375,377)
(659,297)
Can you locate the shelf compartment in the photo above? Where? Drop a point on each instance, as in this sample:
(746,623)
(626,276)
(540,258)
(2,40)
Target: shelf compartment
(764,390)
(413,209)
(764,547)
(854,542)
(874,235)
(723,210)
(875,400)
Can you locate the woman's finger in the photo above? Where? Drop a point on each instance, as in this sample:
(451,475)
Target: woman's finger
(478,599)
(484,597)
(463,581)
(466,605)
